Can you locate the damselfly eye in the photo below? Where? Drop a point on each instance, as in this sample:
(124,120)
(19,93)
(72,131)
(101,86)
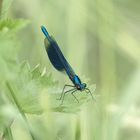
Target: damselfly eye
(78,87)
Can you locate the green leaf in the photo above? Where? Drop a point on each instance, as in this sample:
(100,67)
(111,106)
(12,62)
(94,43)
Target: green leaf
(52,93)
(5,8)
(28,84)
(9,47)
(8,25)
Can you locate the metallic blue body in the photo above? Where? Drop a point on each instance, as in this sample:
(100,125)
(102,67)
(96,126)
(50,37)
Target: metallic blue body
(58,60)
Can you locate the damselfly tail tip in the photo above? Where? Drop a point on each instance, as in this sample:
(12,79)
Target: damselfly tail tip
(42,27)
(44,30)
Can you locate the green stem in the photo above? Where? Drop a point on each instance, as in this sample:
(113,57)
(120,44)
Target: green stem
(1,1)
(8,134)
(19,108)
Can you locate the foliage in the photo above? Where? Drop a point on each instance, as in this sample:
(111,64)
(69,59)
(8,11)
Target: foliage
(100,39)
(23,88)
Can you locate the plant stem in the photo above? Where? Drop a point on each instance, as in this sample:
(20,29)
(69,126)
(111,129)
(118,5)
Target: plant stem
(1,7)
(20,108)
(7,131)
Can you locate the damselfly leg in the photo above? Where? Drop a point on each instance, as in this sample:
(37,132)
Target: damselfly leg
(72,91)
(63,91)
(88,91)
(74,95)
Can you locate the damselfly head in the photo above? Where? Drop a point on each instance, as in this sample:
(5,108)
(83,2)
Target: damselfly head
(84,85)
(81,86)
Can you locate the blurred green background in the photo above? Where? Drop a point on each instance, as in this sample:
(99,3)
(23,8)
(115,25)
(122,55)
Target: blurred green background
(101,40)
